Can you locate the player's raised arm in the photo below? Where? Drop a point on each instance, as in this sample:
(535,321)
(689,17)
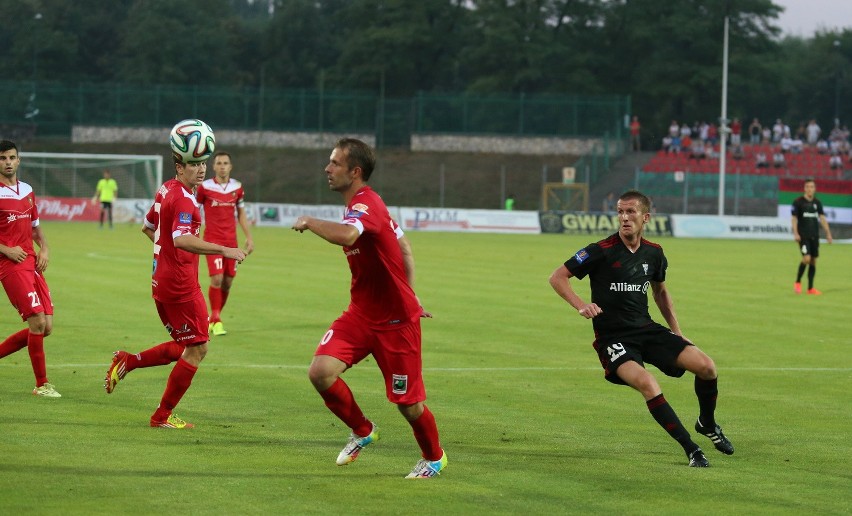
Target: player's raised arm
(333,232)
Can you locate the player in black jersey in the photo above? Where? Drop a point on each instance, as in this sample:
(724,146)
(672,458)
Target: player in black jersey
(621,268)
(807,217)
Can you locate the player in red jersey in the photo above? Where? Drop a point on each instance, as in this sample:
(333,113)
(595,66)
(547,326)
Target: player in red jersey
(383,317)
(173,224)
(221,196)
(21,268)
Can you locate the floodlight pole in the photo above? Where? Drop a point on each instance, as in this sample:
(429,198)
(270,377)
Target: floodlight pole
(723,121)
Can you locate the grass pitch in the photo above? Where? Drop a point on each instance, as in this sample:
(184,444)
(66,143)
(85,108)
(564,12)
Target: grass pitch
(527,420)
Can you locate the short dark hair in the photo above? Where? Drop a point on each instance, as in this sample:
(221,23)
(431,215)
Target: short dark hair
(358,154)
(7,145)
(809,180)
(222,153)
(643,199)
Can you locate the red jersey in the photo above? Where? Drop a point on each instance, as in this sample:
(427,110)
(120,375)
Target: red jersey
(220,202)
(380,291)
(19,216)
(174,213)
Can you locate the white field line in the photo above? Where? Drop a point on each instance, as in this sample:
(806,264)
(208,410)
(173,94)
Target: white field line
(458,369)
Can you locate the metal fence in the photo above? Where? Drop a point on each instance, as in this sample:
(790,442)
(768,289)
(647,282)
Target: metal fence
(698,193)
(52,108)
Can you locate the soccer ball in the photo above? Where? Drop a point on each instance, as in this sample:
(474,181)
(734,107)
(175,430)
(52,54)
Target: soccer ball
(192,141)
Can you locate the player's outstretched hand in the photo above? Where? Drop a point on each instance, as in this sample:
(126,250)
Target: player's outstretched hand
(301,224)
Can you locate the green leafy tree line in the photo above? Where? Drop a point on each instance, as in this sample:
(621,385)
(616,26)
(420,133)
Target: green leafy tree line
(667,55)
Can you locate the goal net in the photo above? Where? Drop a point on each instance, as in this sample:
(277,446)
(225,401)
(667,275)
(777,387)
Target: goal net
(56,174)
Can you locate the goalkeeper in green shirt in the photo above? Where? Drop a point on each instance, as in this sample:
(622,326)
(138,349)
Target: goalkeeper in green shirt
(106,192)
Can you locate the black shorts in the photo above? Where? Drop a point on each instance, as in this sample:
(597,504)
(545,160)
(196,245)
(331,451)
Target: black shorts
(654,344)
(809,246)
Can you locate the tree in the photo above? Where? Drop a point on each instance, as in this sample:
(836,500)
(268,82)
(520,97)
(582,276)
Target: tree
(193,47)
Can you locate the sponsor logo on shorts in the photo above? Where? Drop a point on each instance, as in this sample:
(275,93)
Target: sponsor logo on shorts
(400,383)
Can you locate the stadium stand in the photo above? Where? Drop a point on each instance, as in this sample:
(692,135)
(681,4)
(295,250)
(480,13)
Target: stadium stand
(808,163)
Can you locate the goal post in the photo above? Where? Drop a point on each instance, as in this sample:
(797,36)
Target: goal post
(565,197)
(58,174)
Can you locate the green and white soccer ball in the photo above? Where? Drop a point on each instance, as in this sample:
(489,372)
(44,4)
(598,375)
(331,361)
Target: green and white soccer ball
(192,141)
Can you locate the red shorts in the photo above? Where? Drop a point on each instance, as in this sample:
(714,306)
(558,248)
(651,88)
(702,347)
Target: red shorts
(186,322)
(218,264)
(396,350)
(28,293)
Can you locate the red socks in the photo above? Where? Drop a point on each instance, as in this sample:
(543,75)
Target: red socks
(426,433)
(339,400)
(35,345)
(216,302)
(179,381)
(14,342)
(161,354)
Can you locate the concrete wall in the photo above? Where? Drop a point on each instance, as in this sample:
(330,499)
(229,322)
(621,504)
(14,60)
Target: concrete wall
(309,140)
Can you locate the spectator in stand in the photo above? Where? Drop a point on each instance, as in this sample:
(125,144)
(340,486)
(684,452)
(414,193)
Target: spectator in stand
(836,134)
(834,146)
(674,130)
(797,146)
(738,153)
(685,131)
(635,130)
(801,133)
(712,135)
(686,143)
(835,161)
(676,144)
(786,144)
(777,131)
(754,132)
(736,132)
(697,150)
(766,135)
(667,144)
(822,146)
(812,132)
(608,205)
(760,160)
(778,158)
(702,131)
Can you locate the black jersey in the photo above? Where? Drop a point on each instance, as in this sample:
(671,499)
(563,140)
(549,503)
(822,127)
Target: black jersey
(807,213)
(620,280)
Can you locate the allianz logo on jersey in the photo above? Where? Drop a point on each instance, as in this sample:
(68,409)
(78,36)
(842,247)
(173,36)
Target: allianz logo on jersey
(629,287)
